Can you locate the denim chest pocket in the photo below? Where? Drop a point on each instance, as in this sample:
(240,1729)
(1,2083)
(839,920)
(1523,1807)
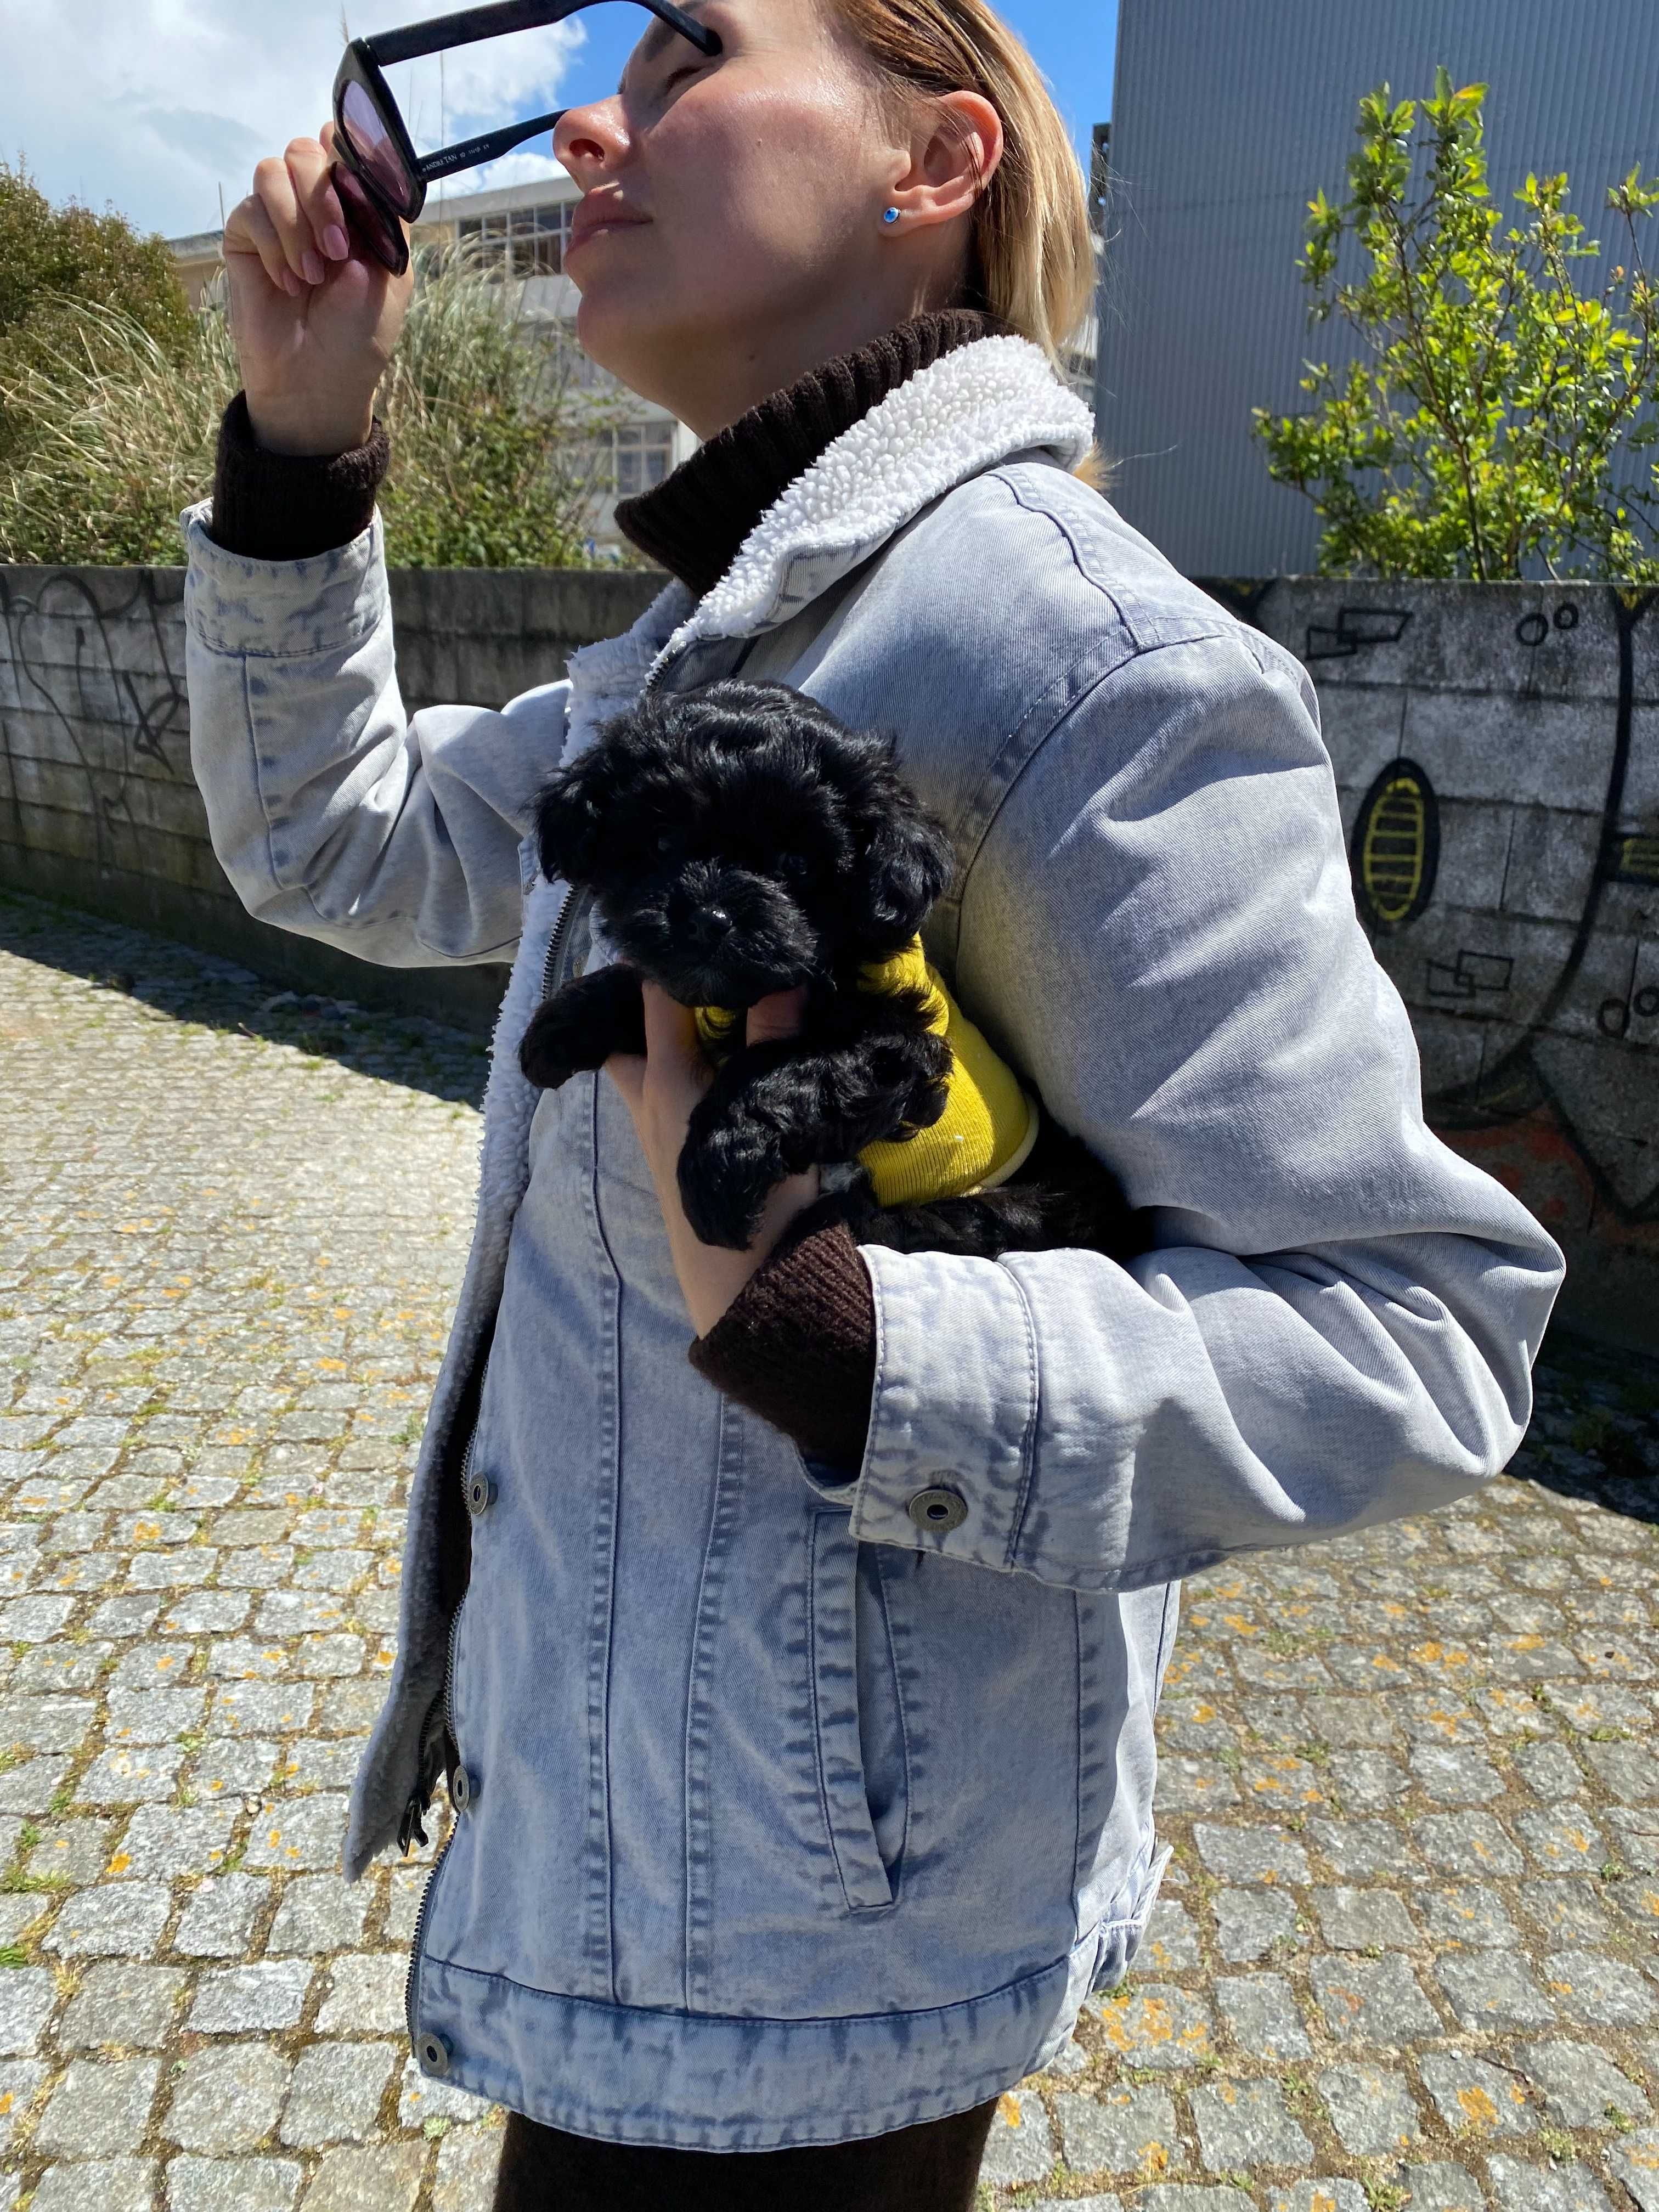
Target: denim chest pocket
(858,1712)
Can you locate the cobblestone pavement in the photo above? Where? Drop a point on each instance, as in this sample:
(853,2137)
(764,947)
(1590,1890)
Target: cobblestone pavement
(1404,1955)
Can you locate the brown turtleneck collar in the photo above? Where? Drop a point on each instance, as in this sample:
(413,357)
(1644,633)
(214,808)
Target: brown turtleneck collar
(695,520)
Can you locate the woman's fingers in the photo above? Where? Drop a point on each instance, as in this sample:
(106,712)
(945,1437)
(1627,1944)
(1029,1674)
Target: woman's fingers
(249,230)
(777,1015)
(671,1030)
(311,170)
(275,187)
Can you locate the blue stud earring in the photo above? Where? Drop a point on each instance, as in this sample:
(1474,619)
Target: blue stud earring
(890,215)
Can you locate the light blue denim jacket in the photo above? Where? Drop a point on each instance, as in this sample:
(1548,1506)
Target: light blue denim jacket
(792,1818)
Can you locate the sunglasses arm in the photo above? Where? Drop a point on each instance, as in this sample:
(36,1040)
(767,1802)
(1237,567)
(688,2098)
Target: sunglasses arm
(494,23)
(473,153)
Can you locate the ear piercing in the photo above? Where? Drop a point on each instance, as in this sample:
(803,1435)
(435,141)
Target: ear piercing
(889,215)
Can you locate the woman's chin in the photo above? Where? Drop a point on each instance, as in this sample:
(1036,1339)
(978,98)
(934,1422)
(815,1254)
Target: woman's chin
(620,329)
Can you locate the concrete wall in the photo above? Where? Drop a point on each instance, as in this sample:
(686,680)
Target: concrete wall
(1495,749)
(97,805)
(1497,754)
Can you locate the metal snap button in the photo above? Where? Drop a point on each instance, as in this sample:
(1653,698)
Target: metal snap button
(938,1510)
(480,1495)
(431,2054)
(463,1789)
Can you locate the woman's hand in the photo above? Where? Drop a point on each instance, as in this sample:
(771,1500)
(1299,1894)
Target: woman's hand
(661,1089)
(314,317)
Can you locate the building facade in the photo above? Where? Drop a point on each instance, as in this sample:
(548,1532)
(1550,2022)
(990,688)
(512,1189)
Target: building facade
(1226,120)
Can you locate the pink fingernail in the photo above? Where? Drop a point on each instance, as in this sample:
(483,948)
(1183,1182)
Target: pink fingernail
(336,244)
(312,265)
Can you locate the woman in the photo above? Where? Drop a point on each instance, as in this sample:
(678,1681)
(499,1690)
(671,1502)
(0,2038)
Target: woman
(800,1714)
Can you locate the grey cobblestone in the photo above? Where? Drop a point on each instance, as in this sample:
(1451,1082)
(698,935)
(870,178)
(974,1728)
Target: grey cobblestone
(1129,2131)
(1474,2098)
(467,2160)
(338,2087)
(1245,2124)
(1580,2085)
(119,2001)
(103,2184)
(227,2098)
(1019,2146)
(270,1993)
(1410,1776)
(99,2107)
(384,2179)
(1528,2188)
(1371,2110)
(233,2184)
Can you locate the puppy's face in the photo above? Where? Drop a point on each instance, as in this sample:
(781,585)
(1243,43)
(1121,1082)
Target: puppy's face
(739,840)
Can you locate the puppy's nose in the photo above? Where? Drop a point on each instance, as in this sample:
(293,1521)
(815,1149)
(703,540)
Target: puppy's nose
(707,926)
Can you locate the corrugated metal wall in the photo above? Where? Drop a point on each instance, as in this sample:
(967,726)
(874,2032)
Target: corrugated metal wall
(1227,116)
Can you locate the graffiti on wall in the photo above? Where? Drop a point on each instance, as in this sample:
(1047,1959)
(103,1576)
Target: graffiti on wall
(94,689)
(1513,899)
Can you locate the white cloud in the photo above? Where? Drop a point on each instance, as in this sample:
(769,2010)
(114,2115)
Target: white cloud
(156,104)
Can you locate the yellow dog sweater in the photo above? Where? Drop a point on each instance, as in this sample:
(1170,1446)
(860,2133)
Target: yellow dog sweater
(989,1123)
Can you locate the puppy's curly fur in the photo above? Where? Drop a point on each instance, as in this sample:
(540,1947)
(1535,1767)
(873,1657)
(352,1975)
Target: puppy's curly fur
(739,839)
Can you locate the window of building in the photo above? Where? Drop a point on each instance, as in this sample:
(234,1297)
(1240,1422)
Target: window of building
(645,452)
(631,459)
(522,242)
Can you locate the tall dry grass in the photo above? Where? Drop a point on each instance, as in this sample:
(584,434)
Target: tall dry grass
(494,439)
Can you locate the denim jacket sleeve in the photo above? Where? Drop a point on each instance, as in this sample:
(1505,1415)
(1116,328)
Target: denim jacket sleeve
(1338,1320)
(333,813)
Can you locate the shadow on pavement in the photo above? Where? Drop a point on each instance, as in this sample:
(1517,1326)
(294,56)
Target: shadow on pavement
(195,987)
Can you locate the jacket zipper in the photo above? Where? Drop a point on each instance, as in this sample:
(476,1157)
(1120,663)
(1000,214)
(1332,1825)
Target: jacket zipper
(556,939)
(448,1694)
(555,944)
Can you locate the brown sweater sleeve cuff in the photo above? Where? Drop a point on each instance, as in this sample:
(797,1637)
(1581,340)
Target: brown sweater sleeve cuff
(798,1346)
(281,506)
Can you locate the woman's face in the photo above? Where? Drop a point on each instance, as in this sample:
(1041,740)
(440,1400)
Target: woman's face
(731,208)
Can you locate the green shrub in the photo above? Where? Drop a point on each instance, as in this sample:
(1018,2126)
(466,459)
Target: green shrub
(113,429)
(54,260)
(1484,428)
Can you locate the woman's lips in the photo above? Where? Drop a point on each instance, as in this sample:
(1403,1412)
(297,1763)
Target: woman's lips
(584,224)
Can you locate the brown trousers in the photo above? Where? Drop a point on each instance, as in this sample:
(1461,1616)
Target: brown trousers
(931,2167)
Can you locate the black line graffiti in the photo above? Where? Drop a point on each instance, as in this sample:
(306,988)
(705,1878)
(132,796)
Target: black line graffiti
(1517,1085)
(96,684)
(1468,975)
(1356,627)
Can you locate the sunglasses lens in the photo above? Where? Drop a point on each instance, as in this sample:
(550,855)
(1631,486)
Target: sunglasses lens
(376,149)
(377,231)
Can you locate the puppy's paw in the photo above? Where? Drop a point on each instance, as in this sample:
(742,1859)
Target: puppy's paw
(725,1174)
(579,1027)
(555,1047)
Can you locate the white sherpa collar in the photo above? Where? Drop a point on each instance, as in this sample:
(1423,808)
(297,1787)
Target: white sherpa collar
(971,409)
(974,407)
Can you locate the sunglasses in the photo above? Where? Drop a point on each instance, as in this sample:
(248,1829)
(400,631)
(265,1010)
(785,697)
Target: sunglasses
(379,176)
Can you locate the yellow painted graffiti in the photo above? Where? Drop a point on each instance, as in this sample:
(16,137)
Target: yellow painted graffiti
(1394,851)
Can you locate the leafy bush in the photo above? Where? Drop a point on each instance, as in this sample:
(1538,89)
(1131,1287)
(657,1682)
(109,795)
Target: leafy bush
(1494,406)
(114,430)
(54,260)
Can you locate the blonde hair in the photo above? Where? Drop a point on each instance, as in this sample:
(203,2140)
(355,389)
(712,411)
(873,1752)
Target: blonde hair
(1033,260)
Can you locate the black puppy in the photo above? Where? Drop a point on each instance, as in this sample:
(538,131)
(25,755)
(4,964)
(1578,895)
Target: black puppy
(739,840)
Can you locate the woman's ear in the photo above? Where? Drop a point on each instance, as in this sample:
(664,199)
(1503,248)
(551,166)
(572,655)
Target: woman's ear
(569,817)
(907,865)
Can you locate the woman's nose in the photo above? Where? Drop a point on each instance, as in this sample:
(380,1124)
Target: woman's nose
(587,141)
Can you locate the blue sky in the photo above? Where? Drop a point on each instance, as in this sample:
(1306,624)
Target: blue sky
(158,104)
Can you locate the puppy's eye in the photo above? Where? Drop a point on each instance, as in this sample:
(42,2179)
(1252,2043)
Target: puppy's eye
(793,868)
(666,840)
